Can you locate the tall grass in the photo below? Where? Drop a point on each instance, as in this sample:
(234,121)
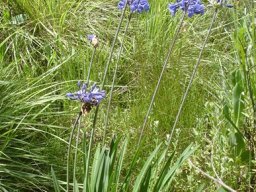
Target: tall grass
(44,52)
(27,135)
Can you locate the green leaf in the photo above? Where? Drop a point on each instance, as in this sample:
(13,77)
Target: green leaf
(171,172)
(97,168)
(226,112)
(237,102)
(117,173)
(240,143)
(146,180)
(246,156)
(227,116)
(144,170)
(55,181)
(163,173)
(221,189)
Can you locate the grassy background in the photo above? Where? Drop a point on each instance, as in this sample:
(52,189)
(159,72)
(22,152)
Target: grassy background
(44,52)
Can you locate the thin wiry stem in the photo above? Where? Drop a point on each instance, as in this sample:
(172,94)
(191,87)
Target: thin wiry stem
(102,87)
(78,131)
(75,157)
(114,78)
(88,157)
(192,77)
(69,146)
(161,75)
(154,94)
(112,48)
(90,66)
(109,60)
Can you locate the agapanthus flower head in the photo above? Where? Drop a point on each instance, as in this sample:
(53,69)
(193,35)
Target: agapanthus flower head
(93,39)
(192,7)
(135,5)
(88,98)
(121,4)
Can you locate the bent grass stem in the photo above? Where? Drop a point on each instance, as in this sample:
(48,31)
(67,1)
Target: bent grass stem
(215,180)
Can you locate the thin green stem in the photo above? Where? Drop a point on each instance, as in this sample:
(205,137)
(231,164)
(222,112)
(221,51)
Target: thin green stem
(112,48)
(90,66)
(109,60)
(192,77)
(78,132)
(89,154)
(172,43)
(114,78)
(102,87)
(75,157)
(69,146)
(161,76)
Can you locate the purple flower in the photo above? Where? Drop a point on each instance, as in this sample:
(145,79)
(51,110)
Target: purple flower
(91,98)
(91,37)
(173,8)
(121,4)
(135,5)
(191,6)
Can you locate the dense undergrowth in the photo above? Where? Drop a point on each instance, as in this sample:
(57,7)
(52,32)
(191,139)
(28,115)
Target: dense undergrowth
(44,52)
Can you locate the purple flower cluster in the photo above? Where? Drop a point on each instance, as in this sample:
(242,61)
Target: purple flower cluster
(135,5)
(92,97)
(192,7)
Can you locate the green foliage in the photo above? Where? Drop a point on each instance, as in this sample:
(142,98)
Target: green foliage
(26,105)
(55,181)
(105,175)
(44,51)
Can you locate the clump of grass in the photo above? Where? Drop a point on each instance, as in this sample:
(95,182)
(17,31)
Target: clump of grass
(27,106)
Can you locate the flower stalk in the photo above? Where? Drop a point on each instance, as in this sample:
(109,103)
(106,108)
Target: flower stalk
(93,40)
(102,87)
(175,37)
(69,145)
(114,77)
(192,77)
